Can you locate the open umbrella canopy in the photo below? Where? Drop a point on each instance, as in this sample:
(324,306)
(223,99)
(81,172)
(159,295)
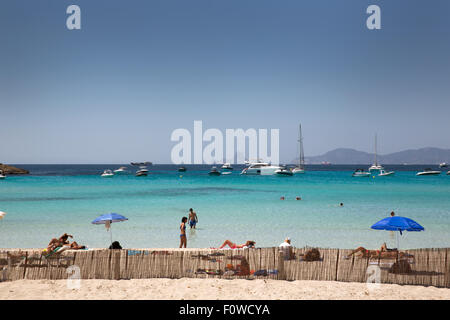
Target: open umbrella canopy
(397,224)
(111,217)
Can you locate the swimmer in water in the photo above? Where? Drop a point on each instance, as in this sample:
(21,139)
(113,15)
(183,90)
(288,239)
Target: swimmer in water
(298,198)
(341,204)
(282,198)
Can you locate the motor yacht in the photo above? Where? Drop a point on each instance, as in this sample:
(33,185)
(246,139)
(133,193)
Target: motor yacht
(227,166)
(384,173)
(214,172)
(360,173)
(107,174)
(2,175)
(260,168)
(428,172)
(182,169)
(443,165)
(121,170)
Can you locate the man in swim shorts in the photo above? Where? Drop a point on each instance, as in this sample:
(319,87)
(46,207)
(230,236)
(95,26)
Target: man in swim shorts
(192,218)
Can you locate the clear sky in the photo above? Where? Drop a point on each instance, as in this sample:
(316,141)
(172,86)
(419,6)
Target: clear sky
(114,91)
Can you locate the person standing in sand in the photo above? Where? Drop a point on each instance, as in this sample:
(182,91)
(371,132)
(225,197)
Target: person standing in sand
(183,239)
(193,219)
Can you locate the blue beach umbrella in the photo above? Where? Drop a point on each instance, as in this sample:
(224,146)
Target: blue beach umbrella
(399,224)
(109,218)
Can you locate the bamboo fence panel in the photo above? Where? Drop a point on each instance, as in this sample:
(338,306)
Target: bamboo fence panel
(431,266)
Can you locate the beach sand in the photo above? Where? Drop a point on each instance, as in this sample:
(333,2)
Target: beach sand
(213,289)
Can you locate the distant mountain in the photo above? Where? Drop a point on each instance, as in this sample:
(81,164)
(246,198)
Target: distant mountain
(352,156)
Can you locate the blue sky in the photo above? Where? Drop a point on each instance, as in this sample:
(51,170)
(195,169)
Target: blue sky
(114,91)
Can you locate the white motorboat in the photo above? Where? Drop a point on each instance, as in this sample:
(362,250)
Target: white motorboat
(448,172)
(121,170)
(284,172)
(143,169)
(428,172)
(384,173)
(443,165)
(107,174)
(376,166)
(360,173)
(2,175)
(260,168)
(214,172)
(141,173)
(300,168)
(227,166)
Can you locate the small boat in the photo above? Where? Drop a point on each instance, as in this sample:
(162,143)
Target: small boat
(360,173)
(284,172)
(121,170)
(2,176)
(448,173)
(107,174)
(182,169)
(141,173)
(214,172)
(428,172)
(443,165)
(227,166)
(384,173)
(146,163)
(300,168)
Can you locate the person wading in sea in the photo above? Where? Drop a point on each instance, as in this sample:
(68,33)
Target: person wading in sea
(193,219)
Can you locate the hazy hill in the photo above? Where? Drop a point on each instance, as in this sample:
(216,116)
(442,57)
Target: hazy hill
(352,156)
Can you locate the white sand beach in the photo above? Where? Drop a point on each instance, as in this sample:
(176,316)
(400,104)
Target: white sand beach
(213,289)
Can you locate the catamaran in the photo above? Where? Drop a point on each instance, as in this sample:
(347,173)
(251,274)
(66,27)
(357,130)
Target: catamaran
(375,166)
(300,168)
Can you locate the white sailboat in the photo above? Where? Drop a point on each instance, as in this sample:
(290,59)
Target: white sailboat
(300,168)
(375,166)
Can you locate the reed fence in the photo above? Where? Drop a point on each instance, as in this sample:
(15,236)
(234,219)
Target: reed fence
(430,267)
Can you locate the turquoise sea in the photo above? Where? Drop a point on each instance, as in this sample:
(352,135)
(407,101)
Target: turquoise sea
(57,199)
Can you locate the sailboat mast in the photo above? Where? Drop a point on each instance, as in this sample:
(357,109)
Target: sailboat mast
(301,157)
(376,163)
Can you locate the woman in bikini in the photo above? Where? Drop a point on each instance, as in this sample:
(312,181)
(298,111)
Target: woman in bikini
(248,244)
(183,239)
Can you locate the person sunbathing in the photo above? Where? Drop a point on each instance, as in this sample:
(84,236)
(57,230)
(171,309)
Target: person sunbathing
(248,244)
(384,252)
(63,241)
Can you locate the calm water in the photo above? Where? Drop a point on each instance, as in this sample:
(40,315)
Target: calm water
(64,198)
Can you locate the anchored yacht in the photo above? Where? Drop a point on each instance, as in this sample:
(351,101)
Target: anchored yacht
(121,170)
(360,173)
(227,166)
(107,174)
(260,168)
(2,176)
(428,172)
(300,168)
